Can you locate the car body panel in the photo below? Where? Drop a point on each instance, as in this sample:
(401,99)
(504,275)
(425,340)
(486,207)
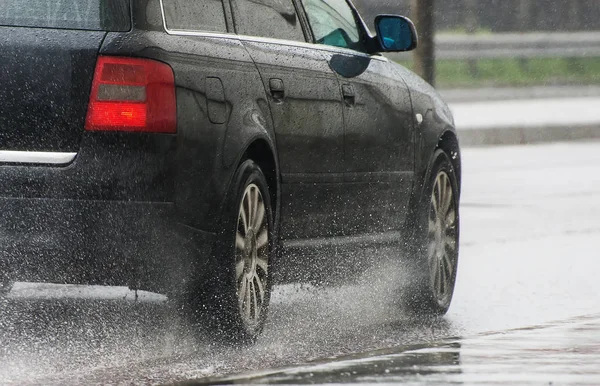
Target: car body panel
(379,144)
(46,76)
(309,133)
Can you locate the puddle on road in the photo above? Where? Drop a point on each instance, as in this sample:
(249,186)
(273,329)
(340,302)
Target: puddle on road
(566,352)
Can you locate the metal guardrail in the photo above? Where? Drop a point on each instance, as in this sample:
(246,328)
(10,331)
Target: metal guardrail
(514,45)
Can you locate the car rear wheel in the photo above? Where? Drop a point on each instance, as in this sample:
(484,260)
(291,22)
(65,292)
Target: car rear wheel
(252,254)
(433,274)
(237,296)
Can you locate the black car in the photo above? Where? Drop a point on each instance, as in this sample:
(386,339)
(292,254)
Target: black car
(193,147)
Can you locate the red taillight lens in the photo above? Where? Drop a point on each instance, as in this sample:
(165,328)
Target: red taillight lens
(130,94)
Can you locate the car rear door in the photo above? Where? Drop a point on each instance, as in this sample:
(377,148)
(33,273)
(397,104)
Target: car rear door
(49,51)
(305,103)
(379,134)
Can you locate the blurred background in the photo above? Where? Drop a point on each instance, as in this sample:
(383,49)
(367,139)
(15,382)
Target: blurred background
(502,43)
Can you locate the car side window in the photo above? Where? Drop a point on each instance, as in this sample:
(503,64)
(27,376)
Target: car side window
(267,18)
(195,15)
(333,23)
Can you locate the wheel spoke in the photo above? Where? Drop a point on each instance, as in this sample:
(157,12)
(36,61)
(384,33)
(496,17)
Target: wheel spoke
(250,210)
(262,239)
(240,242)
(450,217)
(434,204)
(443,278)
(255,205)
(262,264)
(239,270)
(436,275)
(431,250)
(242,291)
(448,265)
(254,300)
(247,301)
(260,216)
(244,217)
(438,191)
(443,196)
(431,227)
(447,197)
(442,186)
(261,289)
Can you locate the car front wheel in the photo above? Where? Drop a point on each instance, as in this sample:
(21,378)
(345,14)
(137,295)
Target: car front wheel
(435,253)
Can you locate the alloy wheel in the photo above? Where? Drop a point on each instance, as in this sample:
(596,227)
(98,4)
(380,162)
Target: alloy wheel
(442,239)
(252,256)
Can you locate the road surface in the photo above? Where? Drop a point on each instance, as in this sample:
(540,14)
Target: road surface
(529,257)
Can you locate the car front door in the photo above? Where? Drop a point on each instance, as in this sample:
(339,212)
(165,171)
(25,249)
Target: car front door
(379,134)
(305,103)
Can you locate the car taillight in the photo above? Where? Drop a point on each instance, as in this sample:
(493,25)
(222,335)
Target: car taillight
(130,94)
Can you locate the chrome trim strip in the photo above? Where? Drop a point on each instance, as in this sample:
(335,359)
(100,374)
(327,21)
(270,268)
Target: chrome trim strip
(192,33)
(164,18)
(36,157)
(176,32)
(292,43)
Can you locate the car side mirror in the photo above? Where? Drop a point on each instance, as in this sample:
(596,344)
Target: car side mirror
(395,33)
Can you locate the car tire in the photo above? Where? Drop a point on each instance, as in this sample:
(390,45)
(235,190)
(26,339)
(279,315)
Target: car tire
(236,298)
(435,241)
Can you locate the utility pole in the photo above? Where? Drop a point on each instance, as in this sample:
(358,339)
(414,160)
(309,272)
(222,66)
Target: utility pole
(574,15)
(525,24)
(471,26)
(424,55)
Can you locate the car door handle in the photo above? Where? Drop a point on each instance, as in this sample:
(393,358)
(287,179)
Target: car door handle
(349,95)
(277,89)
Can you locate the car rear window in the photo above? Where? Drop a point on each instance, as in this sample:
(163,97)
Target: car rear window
(195,15)
(97,15)
(268,19)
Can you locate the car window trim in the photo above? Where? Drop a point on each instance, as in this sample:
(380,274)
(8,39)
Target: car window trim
(365,36)
(282,42)
(308,32)
(300,12)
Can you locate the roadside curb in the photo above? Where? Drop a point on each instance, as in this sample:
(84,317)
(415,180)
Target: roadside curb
(525,135)
(500,94)
(514,122)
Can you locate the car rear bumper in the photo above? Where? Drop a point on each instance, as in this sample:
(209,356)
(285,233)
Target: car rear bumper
(107,217)
(139,244)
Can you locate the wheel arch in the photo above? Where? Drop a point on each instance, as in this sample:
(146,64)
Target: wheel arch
(448,142)
(260,151)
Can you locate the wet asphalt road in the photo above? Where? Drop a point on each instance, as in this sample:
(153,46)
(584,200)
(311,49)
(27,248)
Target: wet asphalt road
(529,257)
(551,354)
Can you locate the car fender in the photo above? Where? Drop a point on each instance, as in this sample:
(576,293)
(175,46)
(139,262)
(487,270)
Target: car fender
(434,124)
